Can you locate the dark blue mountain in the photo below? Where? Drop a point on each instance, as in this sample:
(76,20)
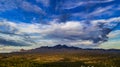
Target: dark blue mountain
(59,46)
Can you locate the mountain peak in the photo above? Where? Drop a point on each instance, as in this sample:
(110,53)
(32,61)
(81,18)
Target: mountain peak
(59,46)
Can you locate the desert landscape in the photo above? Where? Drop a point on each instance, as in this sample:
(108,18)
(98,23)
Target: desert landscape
(61,56)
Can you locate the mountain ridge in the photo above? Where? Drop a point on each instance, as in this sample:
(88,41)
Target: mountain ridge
(60,48)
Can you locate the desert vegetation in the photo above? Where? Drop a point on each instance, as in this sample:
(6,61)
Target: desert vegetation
(74,58)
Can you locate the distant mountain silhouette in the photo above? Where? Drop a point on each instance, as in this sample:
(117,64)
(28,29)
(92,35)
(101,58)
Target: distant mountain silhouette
(65,49)
(59,46)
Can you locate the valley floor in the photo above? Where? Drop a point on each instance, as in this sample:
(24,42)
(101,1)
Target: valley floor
(61,59)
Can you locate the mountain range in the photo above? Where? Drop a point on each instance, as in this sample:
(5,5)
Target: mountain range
(65,49)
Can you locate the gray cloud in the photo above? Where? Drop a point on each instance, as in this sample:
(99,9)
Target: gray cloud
(11,43)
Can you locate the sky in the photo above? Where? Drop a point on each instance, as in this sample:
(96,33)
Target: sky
(29,24)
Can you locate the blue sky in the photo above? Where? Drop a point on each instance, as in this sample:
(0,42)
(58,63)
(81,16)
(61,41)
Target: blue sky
(83,23)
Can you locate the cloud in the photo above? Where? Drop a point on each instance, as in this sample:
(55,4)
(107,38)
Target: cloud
(8,49)
(7,5)
(30,7)
(10,35)
(71,4)
(14,40)
(24,5)
(100,1)
(70,32)
(44,2)
(10,42)
(98,12)
(114,35)
(113,41)
(77,3)
(101,10)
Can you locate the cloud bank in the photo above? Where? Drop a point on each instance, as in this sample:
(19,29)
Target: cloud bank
(77,33)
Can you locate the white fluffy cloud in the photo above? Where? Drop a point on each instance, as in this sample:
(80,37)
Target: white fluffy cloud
(71,32)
